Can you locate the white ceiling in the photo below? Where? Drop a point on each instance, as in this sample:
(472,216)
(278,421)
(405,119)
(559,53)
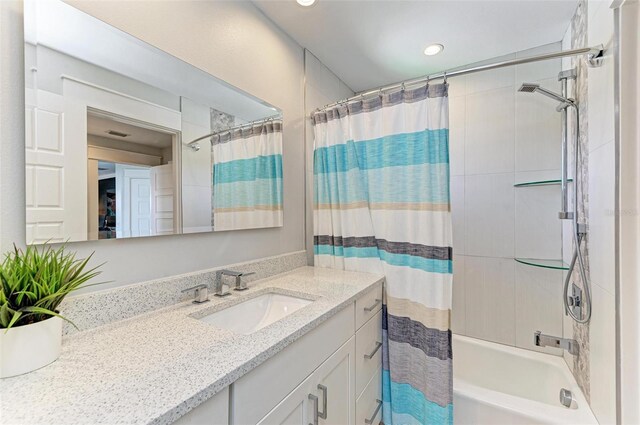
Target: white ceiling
(374,43)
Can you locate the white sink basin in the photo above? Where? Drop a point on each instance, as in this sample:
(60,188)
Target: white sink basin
(256,313)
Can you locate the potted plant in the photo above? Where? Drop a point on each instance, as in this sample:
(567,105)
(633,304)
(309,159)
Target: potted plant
(33,284)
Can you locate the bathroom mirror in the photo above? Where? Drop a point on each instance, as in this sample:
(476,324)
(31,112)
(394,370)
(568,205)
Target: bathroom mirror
(124,140)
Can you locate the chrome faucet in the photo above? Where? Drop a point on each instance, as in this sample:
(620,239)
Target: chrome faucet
(542,340)
(240,285)
(201,293)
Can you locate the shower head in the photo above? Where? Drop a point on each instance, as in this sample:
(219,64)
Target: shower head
(528,87)
(535,88)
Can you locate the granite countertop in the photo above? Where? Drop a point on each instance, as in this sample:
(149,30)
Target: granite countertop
(153,368)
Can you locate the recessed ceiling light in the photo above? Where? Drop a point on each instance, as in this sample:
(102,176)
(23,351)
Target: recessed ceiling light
(305,2)
(433,49)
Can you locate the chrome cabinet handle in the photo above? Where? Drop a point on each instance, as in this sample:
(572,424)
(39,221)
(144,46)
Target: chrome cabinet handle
(375,350)
(323,414)
(370,421)
(314,399)
(375,304)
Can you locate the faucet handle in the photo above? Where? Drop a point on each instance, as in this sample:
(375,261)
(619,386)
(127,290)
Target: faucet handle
(240,285)
(201,293)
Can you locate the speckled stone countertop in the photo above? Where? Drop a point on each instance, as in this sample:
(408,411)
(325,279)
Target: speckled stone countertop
(155,367)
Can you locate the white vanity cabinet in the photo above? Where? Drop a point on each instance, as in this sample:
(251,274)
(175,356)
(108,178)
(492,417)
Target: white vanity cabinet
(214,411)
(325,397)
(330,376)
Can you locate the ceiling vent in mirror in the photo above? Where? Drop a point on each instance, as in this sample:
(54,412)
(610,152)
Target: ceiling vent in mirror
(117,133)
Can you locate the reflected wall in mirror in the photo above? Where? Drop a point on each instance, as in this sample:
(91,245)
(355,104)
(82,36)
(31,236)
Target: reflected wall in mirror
(124,140)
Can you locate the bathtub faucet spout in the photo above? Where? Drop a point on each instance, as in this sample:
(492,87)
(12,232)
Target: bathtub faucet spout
(542,340)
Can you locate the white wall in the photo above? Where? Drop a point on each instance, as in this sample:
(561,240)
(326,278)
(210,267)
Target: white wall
(12,127)
(499,137)
(196,168)
(233,41)
(52,65)
(601,237)
(322,87)
(629,217)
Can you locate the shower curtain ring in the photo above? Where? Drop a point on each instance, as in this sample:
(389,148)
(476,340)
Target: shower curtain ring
(445,77)
(402,86)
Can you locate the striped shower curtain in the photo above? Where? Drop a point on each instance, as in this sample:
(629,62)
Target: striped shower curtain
(381,177)
(247,177)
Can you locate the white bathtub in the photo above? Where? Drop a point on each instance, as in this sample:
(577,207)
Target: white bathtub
(495,384)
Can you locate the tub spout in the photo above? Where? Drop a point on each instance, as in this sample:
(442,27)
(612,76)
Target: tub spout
(542,340)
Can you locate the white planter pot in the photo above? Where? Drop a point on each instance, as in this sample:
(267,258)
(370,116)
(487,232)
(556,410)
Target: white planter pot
(26,348)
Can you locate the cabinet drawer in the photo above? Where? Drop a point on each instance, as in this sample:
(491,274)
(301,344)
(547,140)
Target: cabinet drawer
(368,305)
(368,351)
(368,406)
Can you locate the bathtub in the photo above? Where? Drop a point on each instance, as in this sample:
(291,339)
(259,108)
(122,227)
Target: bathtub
(496,384)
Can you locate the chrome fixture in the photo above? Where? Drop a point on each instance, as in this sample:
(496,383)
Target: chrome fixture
(536,88)
(375,413)
(201,293)
(572,306)
(317,414)
(240,284)
(314,400)
(323,414)
(373,306)
(221,289)
(594,59)
(542,340)
(566,397)
(375,350)
(563,77)
(594,54)
(193,144)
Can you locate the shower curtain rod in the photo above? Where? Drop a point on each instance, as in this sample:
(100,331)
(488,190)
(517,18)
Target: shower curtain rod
(594,59)
(237,127)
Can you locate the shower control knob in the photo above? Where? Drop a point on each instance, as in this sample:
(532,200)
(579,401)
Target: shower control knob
(574,300)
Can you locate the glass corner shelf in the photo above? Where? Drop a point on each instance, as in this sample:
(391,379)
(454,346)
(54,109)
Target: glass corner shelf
(545,264)
(540,183)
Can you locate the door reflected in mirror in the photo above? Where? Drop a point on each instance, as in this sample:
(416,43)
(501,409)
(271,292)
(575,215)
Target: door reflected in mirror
(132,178)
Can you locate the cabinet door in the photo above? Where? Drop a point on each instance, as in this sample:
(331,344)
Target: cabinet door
(334,387)
(295,409)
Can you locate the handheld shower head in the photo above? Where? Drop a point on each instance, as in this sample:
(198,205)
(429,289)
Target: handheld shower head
(528,87)
(535,88)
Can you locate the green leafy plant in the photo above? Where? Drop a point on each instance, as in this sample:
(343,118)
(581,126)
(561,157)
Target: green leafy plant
(34,283)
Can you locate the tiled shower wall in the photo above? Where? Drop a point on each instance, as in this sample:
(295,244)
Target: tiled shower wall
(594,368)
(500,137)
